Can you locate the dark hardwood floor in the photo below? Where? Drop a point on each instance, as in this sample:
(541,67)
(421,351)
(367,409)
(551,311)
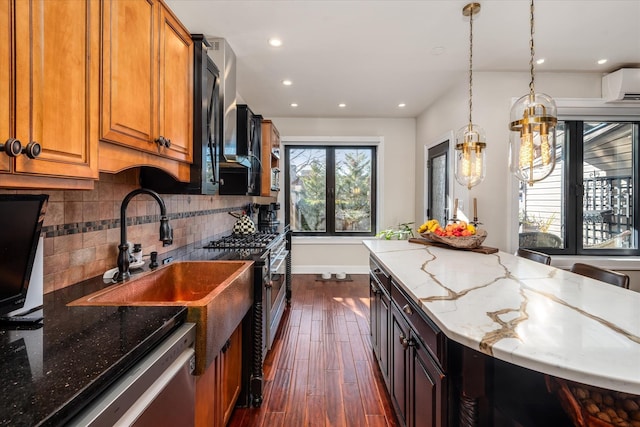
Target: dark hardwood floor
(321,370)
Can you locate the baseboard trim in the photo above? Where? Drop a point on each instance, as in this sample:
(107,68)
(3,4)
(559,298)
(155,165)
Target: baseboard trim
(333,269)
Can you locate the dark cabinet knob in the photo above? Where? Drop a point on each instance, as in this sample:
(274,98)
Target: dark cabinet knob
(32,150)
(12,147)
(163,142)
(406,342)
(407,309)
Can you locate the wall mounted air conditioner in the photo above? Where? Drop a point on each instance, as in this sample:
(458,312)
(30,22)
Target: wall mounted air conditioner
(622,85)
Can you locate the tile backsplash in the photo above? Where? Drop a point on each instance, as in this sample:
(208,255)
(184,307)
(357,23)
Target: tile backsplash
(82,228)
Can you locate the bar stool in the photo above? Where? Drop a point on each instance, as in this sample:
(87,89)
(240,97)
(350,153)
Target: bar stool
(602,274)
(534,256)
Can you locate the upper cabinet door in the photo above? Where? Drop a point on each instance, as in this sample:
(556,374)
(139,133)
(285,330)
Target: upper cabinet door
(5,79)
(175,87)
(129,72)
(56,85)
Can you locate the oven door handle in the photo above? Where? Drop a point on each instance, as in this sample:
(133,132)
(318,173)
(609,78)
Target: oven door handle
(277,262)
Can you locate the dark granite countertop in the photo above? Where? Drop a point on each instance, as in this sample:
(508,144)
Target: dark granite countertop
(50,373)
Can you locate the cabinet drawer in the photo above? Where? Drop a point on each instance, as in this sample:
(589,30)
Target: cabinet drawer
(431,336)
(380,275)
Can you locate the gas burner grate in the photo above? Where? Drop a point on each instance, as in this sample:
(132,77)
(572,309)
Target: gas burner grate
(248,241)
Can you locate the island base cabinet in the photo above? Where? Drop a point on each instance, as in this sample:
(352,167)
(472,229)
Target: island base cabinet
(428,390)
(399,365)
(418,385)
(379,304)
(217,390)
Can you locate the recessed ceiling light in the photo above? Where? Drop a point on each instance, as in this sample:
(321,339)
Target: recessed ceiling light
(402,105)
(602,61)
(293,104)
(275,42)
(287,82)
(341,105)
(540,61)
(438,50)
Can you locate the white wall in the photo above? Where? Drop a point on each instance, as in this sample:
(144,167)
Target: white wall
(492,97)
(397,201)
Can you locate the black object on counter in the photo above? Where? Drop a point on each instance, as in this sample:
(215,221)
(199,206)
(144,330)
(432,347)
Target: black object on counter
(22,216)
(154,260)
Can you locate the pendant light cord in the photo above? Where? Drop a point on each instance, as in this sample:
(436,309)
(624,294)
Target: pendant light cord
(531,47)
(470,66)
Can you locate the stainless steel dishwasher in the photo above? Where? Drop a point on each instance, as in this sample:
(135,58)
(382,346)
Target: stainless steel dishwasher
(158,390)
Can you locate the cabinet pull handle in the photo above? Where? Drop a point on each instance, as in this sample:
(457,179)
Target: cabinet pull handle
(226,346)
(12,147)
(167,143)
(406,342)
(407,309)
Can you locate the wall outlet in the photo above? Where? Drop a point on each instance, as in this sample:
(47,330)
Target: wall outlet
(167,260)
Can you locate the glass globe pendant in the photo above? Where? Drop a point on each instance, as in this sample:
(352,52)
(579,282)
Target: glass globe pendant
(469,156)
(470,139)
(532,140)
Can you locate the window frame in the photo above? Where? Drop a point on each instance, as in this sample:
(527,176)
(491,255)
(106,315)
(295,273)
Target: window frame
(573,188)
(330,149)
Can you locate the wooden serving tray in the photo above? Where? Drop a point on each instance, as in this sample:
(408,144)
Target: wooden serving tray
(479,249)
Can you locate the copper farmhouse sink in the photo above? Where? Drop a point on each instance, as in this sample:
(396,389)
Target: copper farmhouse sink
(217,295)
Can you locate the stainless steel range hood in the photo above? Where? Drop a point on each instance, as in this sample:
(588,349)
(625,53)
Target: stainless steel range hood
(225,59)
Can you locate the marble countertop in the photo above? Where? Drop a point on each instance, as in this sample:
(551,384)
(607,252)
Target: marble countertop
(532,315)
(50,373)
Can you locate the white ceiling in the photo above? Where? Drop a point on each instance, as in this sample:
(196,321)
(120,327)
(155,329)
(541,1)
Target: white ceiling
(374,54)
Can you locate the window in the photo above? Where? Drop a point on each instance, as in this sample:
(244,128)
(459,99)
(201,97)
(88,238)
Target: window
(330,190)
(587,206)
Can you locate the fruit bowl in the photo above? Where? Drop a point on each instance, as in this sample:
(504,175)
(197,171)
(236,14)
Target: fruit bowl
(589,406)
(462,242)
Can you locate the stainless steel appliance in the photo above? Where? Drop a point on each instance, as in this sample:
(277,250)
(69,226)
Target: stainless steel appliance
(247,155)
(158,390)
(272,292)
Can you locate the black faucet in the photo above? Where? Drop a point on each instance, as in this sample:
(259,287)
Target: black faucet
(166,233)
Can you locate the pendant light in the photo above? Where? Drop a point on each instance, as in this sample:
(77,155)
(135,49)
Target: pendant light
(470,139)
(532,142)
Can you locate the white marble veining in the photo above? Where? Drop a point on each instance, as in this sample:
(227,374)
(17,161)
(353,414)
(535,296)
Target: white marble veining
(523,312)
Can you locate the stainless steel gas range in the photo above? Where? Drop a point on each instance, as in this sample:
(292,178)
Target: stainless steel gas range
(272,293)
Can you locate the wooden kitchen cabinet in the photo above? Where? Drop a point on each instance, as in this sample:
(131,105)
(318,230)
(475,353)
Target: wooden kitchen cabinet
(231,374)
(6,79)
(270,159)
(50,91)
(147,88)
(217,390)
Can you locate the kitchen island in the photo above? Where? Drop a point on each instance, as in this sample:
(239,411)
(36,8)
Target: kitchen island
(501,307)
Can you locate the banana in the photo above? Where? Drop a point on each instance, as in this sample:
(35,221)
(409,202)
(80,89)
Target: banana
(430,225)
